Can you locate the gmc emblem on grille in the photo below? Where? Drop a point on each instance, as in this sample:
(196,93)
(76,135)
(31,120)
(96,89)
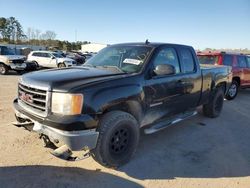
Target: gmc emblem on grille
(26,97)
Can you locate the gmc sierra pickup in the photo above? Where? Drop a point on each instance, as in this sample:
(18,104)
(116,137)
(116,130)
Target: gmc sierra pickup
(99,108)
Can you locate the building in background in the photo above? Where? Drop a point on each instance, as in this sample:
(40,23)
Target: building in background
(92,47)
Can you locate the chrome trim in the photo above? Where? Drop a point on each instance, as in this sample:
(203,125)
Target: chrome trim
(21,81)
(31,110)
(34,105)
(27,107)
(30,91)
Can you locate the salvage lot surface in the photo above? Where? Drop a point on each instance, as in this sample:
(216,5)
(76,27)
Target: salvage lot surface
(199,152)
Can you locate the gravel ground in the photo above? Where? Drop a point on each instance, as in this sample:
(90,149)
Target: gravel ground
(199,152)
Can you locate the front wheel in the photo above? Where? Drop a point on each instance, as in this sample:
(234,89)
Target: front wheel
(215,104)
(118,139)
(3,69)
(232,91)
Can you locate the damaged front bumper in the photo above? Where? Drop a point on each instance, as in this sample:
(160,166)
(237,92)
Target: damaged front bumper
(65,141)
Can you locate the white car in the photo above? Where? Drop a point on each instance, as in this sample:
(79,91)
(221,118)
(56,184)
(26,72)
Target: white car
(50,59)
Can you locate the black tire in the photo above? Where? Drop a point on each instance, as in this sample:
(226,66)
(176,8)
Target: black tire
(3,69)
(215,104)
(37,65)
(20,72)
(61,65)
(232,91)
(118,139)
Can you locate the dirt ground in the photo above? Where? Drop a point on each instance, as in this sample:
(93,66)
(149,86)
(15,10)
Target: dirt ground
(199,152)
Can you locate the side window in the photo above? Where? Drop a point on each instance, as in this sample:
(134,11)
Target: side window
(167,56)
(241,62)
(228,60)
(35,54)
(47,55)
(187,60)
(41,54)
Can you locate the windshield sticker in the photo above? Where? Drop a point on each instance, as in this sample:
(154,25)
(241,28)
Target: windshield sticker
(132,61)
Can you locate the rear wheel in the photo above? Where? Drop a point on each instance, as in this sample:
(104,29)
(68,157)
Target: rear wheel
(118,139)
(232,91)
(61,65)
(215,104)
(3,69)
(37,65)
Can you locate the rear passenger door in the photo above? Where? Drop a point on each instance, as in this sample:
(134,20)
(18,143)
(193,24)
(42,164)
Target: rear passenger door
(38,57)
(191,79)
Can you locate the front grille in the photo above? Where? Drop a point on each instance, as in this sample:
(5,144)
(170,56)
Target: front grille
(32,97)
(18,61)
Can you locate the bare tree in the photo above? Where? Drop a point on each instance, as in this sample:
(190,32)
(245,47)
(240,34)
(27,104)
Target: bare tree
(50,35)
(37,32)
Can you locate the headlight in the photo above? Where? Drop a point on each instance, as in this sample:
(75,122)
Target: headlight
(10,61)
(67,104)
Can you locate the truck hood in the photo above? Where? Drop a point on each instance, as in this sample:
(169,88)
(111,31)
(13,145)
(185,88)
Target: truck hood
(14,57)
(63,80)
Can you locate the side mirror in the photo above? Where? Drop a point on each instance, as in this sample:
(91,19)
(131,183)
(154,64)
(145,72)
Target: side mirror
(164,69)
(52,57)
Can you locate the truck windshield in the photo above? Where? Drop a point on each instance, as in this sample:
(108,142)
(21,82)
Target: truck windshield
(208,59)
(6,51)
(129,59)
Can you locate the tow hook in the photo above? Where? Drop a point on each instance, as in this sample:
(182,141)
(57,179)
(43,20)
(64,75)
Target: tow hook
(46,141)
(27,125)
(65,153)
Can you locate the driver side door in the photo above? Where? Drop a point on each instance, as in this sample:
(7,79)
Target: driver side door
(163,92)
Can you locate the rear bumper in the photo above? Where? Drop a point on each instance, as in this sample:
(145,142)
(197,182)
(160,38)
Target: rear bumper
(76,140)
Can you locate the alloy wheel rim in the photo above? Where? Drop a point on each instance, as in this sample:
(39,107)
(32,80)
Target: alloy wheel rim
(2,70)
(119,141)
(232,90)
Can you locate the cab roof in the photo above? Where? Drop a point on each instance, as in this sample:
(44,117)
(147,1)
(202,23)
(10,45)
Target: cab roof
(150,44)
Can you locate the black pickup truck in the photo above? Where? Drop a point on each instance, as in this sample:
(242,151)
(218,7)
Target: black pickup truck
(99,108)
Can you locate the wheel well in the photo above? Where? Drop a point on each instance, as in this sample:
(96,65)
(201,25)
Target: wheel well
(237,79)
(60,64)
(132,107)
(222,85)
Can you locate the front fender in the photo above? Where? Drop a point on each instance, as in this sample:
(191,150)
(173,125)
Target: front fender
(107,97)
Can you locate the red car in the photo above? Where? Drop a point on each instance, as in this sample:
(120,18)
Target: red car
(240,67)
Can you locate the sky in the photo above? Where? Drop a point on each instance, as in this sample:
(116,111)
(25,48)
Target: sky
(202,24)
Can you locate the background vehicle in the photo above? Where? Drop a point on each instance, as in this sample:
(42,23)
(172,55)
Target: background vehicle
(100,107)
(239,64)
(80,59)
(50,59)
(10,61)
(248,60)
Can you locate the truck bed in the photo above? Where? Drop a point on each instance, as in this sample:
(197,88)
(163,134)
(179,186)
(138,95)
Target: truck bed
(211,75)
